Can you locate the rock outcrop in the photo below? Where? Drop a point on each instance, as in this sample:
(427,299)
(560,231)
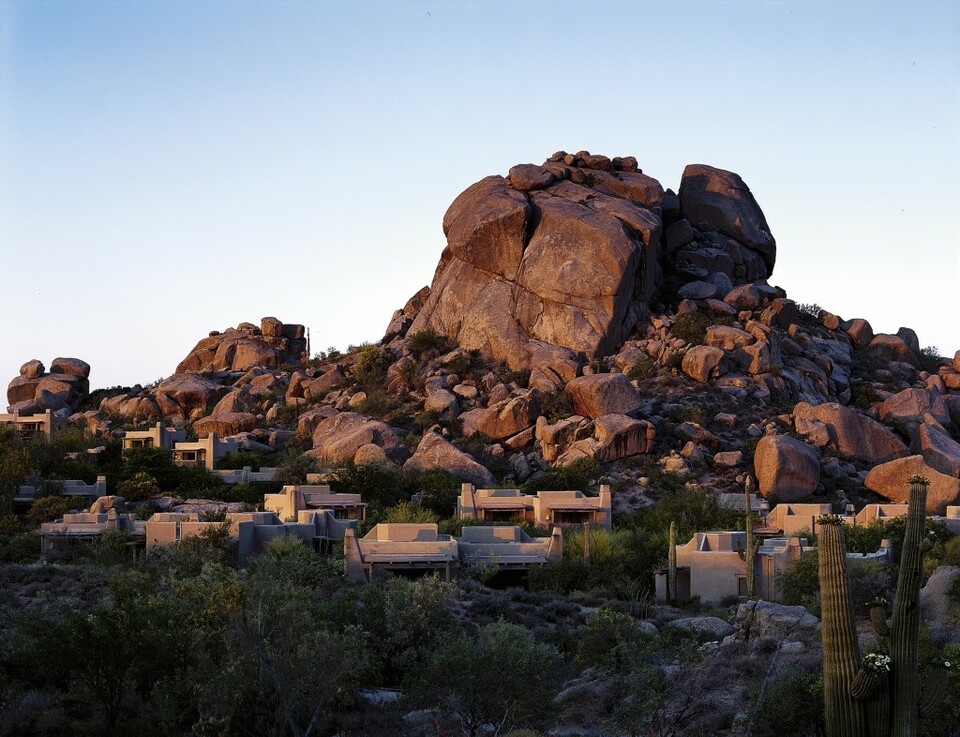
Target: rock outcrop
(247,346)
(571,253)
(64,387)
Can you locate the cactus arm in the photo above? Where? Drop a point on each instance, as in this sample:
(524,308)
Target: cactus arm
(878,618)
(845,716)
(905,623)
(934,689)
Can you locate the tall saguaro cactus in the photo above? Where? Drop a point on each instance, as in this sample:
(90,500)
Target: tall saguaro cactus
(845,715)
(905,623)
(891,702)
(749,554)
(672,565)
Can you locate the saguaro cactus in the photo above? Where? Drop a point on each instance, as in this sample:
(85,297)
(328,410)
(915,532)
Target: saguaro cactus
(893,703)
(845,715)
(672,565)
(749,554)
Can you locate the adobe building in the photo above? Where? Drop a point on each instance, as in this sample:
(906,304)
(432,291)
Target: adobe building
(88,493)
(85,526)
(709,566)
(735,500)
(27,426)
(787,520)
(414,548)
(508,547)
(294,499)
(251,531)
(203,453)
(874,512)
(545,509)
(405,547)
(158,436)
(247,475)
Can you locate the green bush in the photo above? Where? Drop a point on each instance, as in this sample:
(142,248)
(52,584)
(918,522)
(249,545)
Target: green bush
(20,548)
(577,475)
(405,512)
(370,369)
(139,487)
(50,508)
(644,368)
(504,676)
(793,705)
(438,489)
(691,327)
(419,344)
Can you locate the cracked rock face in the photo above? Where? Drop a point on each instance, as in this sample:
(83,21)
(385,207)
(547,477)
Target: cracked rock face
(570,254)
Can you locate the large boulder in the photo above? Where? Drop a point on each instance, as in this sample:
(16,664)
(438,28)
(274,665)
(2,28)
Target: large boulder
(556,254)
(511,416)
(435,452)
(939,450)
(910,405)
(891,481)
(786,468)
(71,366)
(32,369)
(701,361)
(225,424)
(887,347)
(619,436)
(852,433)
(721,200)
(936,602)
(188,395)
(603,394)
(337,439)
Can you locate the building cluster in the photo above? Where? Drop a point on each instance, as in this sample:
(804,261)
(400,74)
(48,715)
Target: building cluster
(710,565)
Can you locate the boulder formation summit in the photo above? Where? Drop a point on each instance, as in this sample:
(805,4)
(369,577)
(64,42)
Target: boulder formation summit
(573,252)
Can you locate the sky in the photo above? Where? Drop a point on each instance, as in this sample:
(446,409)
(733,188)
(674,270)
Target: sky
(172,168)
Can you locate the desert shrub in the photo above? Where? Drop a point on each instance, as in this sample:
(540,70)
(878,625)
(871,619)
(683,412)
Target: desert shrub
(20,548)
(248,492)
(49,508)
(438,490)
(604,630)
(378,403)
(674,360)
(929,358)
(556,406)
(868,580)
(691,327)
(793,704)
(800,583)
(405,512)
(139,487)
(577,475)
(810,309)
(502,676)
(644,368)
(421,343)
(381,486)
(243,458)
(293,467)
(370,369)
(408,620)
(111,547)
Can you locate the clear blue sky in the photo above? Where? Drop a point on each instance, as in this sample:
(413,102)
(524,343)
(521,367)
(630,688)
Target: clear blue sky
(169,168)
